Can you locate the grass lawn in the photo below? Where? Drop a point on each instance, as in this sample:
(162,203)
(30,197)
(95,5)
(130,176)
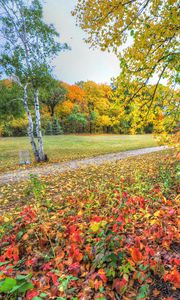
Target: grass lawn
(63,148)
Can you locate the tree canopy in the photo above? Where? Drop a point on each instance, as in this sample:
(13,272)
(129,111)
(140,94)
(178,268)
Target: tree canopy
(52,94)
(148,31)
(29,43)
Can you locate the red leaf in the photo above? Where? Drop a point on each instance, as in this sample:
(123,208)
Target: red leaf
(102,275)
(97,219)
(31,294)
(173,277)
(119,284)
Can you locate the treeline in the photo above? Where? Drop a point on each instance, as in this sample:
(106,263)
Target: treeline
(87,107)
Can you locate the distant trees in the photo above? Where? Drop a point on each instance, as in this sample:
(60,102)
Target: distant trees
(94,108)
(26,53)
(12,121)
(97,108)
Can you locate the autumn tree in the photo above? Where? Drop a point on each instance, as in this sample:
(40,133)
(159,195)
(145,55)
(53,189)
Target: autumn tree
(99,102)
(138,118)
(72,111)
(75,94)
(92,95)
(148,30)
(53,94)
(29,45)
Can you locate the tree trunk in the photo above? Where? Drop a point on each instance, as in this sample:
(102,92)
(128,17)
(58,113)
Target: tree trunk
(52,111)
(90,126)
(30,125)
(38,125)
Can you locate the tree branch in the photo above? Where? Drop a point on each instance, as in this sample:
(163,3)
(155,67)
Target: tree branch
(154,93)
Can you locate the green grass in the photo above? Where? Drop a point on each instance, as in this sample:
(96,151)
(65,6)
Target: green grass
(63,148)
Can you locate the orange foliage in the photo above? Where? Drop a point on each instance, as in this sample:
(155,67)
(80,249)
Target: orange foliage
(75,94)
(136,254)
(65,108)
(8,83)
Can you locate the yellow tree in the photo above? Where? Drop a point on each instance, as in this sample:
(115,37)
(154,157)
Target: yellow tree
(149,31)
(137,115)
(92,95)
(98,98)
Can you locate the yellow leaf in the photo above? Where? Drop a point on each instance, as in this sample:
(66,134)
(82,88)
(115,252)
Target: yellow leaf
(147,215)
(80,213)
(6,219)
(95,227)
(103,224)
(126,277)
(153,221)
(157,213)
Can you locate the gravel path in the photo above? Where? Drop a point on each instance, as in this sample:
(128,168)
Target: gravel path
(15,176)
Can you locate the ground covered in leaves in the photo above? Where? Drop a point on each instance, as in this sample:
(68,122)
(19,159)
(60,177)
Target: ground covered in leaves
(103,232)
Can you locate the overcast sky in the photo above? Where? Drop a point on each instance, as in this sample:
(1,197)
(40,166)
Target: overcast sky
(81,63)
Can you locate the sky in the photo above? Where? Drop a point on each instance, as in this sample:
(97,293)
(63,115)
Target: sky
(81,62)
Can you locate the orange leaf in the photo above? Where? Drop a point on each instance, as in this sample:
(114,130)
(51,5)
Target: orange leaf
(25,237)
(136,254)
(173,277)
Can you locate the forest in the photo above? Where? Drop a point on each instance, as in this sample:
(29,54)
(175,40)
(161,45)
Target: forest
(88,107)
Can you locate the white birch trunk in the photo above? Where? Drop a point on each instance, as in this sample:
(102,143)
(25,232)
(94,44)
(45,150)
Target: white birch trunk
(30,125)
(38,125)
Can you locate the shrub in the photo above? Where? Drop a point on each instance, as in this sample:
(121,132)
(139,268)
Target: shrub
(19,126)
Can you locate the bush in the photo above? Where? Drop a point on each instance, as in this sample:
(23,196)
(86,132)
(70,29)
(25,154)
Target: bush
(19,127)
(6,130)
(15,127)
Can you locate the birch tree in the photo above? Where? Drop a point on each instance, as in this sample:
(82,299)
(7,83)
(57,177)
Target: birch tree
(27,50)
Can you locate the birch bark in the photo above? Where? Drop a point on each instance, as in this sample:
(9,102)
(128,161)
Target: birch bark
(38,125)
(30,124)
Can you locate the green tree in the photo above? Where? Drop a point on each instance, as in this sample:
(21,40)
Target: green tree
(10,101)
(77,120)
(53,94)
